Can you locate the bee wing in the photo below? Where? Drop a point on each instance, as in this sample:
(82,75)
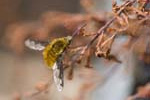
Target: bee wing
(58,74)
(34,45)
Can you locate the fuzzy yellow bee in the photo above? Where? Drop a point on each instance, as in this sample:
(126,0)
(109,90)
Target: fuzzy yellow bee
(54,50)
(53,55)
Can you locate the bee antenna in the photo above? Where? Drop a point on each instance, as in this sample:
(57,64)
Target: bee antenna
(76,32)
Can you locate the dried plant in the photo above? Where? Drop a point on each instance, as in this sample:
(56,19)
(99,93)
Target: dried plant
(132,18)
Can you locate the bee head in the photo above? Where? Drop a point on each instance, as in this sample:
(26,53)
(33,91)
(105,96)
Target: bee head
(69,38)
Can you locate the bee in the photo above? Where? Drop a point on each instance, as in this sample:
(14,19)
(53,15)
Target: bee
(53,54)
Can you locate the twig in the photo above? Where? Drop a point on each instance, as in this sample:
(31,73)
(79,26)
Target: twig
(103,29)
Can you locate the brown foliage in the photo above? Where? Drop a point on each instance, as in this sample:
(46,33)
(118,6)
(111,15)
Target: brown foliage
(96,38)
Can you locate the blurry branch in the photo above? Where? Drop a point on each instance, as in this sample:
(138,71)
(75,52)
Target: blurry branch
(143,93)
(103,29)
(40,87)
(96,38)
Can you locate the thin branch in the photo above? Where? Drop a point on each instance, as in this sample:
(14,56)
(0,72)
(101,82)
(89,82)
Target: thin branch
(103,29)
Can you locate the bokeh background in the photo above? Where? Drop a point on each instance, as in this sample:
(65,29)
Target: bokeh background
(23,72)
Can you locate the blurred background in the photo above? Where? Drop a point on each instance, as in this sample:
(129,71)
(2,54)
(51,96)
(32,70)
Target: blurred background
(23,73)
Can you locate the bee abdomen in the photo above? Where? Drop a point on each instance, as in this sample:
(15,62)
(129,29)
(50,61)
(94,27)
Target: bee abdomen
(54,50)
